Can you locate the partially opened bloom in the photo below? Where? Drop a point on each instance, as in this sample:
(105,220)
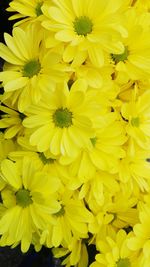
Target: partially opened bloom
(29,198)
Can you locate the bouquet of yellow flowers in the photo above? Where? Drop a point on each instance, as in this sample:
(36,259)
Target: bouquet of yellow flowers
(75,130)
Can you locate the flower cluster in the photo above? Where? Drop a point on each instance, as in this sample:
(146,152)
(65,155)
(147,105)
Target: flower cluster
(75,130)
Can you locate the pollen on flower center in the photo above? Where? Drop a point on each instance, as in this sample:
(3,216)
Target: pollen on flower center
(23,198)
(31,68)
(83,25)
(135,122)
(62,117)
(123,263)
(38,10)
(120,57)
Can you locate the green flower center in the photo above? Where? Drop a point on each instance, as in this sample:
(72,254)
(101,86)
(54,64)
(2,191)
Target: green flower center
(61,212)
(31,68)
(23,198)
(83,25)
(135,122)
(120,57)
(62,118)
(123,263)
(38,10)
(46,160)
(93,141)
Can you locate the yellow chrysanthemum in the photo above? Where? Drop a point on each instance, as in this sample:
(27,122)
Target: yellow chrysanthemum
(61,122)
(88,28)
(107,143)
(140,242)
(31,70)
(134,169)
(134,62)
(27,11)
(115,253)
(29,199)
(12,121)
(75,255)
(70,221)
(94,76)
(137,116)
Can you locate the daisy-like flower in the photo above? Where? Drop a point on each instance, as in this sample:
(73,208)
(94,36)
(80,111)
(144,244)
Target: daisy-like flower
(75,254)
(88,28)
(11,121)
(140,241)
(29,199)
(71,221)
(94,76)
(137,116)
(31,69)
(134,62)
(61,122)
(27,10)
(134,169)
(107,143)
(115,253)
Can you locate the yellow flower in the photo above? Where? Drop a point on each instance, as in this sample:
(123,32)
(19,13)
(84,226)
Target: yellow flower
(140,242)
(32,200)
(137,116)
(94,76)
(32,69)
(71,221)
(134,169)
(77,251)
(88,28)
(27,11)
(58,120)
(12,121)
(6,146)
(114,252)
(134,62)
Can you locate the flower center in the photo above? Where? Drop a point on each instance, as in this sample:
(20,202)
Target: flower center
(135,122)
(62,118)
(46,160)
(31,68)
(93,141)
(83,25)
(23,198)
(120,57)
(38,10)
(123,263)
